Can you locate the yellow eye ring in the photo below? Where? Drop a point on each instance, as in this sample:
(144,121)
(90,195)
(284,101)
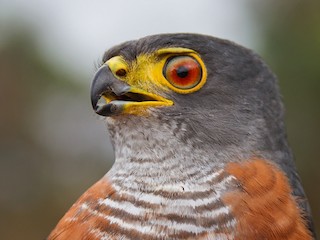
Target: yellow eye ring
(184,72)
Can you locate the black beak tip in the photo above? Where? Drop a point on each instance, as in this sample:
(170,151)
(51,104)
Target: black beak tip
(105,82)
(94,101)
(109,109)
(102,110)
(99,85)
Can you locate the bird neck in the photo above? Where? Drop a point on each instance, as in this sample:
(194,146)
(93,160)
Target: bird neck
(146,147)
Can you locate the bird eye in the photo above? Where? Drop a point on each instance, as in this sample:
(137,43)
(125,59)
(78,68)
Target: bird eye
(183,72)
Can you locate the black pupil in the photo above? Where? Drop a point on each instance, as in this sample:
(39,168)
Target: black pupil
(182,72)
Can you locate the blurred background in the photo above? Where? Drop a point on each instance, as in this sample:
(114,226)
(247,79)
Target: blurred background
(52,145)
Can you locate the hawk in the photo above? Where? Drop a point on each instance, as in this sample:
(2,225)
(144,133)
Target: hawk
(200,146)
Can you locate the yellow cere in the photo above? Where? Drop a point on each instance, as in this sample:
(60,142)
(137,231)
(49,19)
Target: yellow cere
(116,63)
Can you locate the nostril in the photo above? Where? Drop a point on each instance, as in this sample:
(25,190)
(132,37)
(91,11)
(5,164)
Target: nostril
(121,72)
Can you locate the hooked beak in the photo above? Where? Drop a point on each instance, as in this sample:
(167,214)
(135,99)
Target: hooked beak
(119,96)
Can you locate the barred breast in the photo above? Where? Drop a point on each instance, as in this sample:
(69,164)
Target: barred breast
(117,207)
(247,200)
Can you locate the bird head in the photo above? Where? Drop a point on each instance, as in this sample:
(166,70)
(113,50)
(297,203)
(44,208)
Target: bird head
(221,93)
(151,79)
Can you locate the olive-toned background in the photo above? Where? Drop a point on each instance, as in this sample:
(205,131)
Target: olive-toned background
(52,145)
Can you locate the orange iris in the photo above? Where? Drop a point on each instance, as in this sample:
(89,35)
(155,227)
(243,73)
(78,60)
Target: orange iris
(182,72)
